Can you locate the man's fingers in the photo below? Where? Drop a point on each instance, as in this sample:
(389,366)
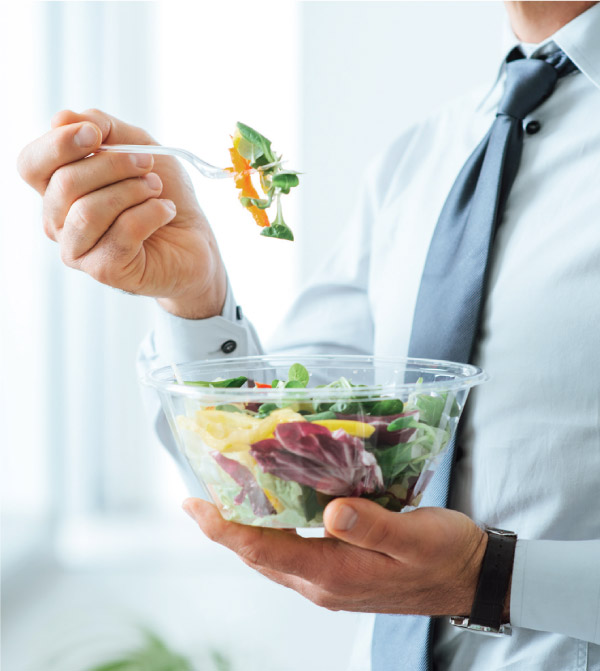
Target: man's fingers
(268,548)
(42,157)
(73,136)
(82,178)
(91,216)
(119,259)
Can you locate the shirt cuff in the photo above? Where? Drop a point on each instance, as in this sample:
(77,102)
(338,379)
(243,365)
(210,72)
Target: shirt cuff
(556,587)
(178,340)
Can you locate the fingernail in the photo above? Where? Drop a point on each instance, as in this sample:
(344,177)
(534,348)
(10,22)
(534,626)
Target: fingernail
(153,181)
(170,204)
(344,519)
(86,136)
(142,160)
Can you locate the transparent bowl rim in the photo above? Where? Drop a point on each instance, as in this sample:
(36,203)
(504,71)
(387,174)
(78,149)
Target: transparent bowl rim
(466,376)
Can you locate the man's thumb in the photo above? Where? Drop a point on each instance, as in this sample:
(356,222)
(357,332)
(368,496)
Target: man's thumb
(368,525)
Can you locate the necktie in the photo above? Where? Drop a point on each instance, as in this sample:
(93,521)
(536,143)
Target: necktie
(452,290)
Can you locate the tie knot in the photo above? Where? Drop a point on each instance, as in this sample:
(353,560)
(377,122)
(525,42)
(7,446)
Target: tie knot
(529,81)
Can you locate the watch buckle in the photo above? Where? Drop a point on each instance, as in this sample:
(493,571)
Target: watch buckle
(465,623)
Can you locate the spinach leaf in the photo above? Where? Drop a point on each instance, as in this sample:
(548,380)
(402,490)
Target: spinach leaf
(310,503)
(298,373)
(294,384)
(388,406)
(431,408)
(258,140)
(266,409)
(320,415)
(280,231)
(231,382)
(394,460)
(402,423)
(285,181)
(229,407)
(261,203)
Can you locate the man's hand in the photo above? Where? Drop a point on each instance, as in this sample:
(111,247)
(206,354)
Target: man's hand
(424,562)
(129,221)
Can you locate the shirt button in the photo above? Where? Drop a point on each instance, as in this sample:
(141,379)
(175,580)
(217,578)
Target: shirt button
(228,346)
(532,127)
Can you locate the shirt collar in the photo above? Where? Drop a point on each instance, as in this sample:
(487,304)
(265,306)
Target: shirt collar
(579,39)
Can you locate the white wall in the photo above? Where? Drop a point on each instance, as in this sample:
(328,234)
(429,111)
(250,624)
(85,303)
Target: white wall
(369,70)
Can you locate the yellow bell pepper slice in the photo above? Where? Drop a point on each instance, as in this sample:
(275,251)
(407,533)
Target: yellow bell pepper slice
(350,426)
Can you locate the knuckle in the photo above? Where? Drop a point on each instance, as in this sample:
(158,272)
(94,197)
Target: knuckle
(48,228)
(102,272)
(80,217)
(66,257)
(62,180)
(24,165)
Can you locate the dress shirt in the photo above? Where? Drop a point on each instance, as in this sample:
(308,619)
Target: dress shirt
(529,458)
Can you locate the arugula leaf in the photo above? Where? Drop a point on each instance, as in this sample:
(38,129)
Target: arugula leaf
(231,382)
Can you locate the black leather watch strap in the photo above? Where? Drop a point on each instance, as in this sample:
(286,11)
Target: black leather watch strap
(494,578)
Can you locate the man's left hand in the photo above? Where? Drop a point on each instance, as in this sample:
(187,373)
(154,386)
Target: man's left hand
(424,562)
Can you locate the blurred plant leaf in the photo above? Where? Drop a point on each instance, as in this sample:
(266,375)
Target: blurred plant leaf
(152,655)
(220,661)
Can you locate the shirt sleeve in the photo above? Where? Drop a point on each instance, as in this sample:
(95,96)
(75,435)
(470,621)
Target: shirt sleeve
(176,340)
(556,587)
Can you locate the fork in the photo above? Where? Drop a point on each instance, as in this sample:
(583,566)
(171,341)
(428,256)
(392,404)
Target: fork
(203,167)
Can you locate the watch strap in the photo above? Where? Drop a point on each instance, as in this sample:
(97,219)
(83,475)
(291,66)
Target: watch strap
(494,579)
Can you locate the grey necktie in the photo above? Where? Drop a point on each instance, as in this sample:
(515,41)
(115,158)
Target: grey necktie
(452,292)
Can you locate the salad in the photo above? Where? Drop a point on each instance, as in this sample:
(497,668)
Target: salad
(280,463)
(252,154)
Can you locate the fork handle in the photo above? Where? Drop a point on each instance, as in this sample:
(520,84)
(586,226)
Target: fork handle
(205,168)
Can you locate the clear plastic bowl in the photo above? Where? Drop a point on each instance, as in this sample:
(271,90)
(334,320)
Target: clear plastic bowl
(275,456)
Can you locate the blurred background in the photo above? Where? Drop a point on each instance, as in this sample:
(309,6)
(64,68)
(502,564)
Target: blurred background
(94,543)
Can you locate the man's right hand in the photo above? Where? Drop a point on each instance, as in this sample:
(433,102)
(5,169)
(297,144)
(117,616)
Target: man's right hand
(129,221)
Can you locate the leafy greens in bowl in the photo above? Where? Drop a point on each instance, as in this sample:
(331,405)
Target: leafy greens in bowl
(273,439)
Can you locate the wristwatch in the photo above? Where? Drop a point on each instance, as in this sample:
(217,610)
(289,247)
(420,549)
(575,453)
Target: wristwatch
(494,578)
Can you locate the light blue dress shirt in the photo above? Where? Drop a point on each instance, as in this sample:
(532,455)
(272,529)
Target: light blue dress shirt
(531,440)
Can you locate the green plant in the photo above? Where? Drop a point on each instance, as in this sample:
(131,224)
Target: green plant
(154,655)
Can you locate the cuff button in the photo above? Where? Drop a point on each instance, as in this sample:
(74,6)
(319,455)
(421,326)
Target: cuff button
(228,346)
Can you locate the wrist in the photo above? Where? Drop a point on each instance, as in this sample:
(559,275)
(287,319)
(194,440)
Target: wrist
(202,303)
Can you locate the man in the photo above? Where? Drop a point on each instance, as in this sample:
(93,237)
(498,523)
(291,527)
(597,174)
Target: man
(529,458)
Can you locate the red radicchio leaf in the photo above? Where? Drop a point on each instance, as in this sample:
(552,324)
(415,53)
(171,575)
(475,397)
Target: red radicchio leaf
(260,504)
(332,463)
(382,436)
